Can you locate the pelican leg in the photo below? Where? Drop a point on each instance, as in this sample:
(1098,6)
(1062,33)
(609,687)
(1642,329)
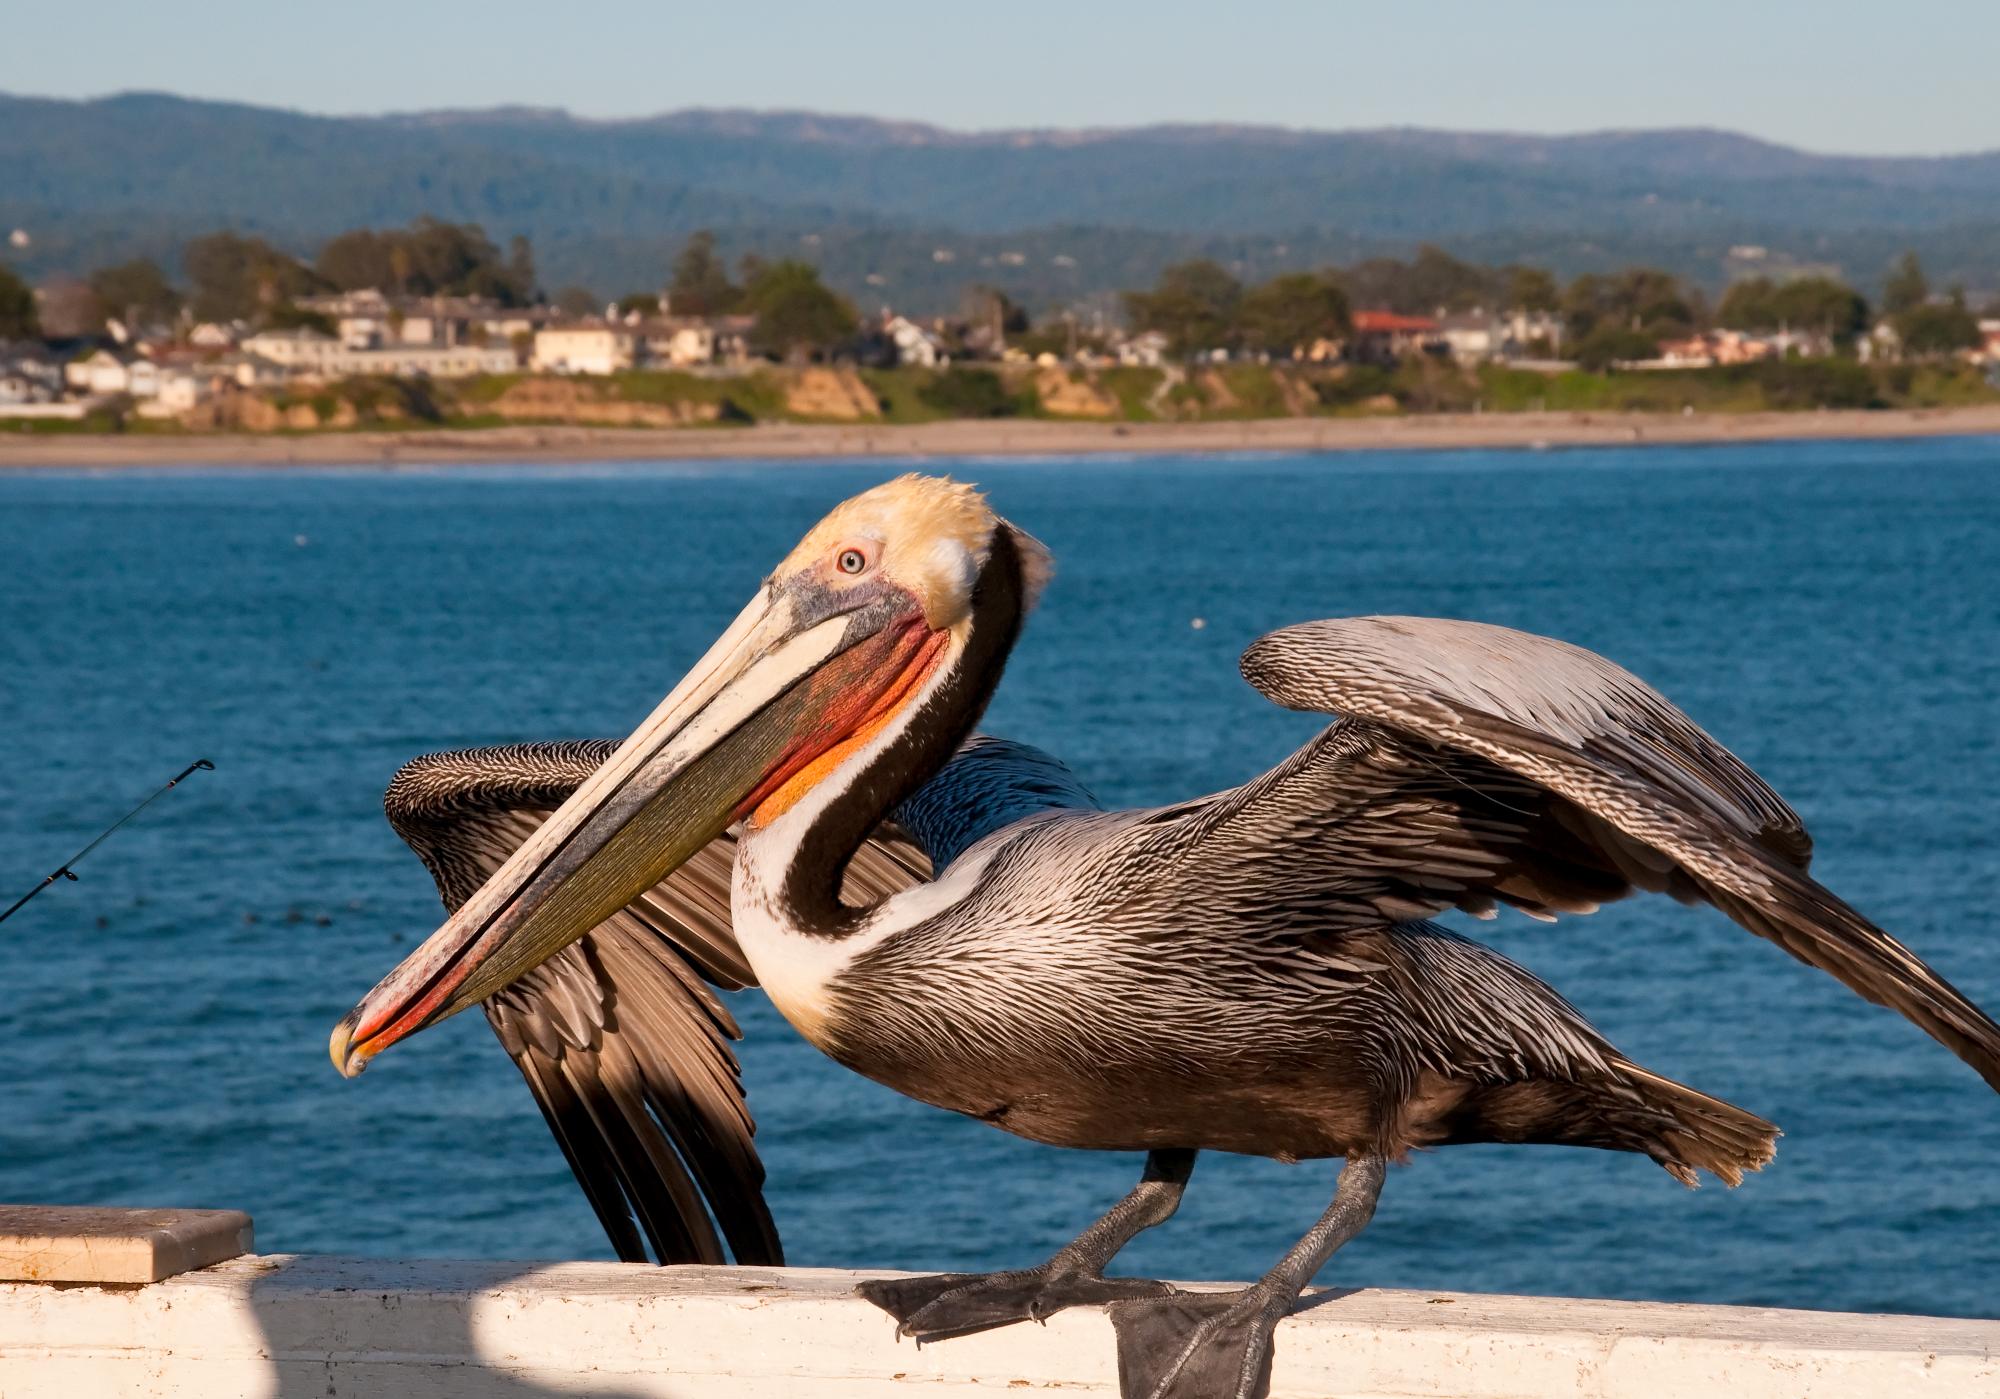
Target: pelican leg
(1218,1345)
(958,1304)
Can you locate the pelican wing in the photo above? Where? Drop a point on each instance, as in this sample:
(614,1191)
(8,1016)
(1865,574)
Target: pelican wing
(1474,764)
(620,1036)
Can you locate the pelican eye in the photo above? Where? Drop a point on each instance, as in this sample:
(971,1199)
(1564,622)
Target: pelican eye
(851,561)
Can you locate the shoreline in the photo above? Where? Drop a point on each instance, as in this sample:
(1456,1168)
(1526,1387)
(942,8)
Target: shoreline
(984,437)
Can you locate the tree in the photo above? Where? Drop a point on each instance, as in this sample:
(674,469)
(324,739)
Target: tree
(1610,344)
(1938,328)
(237,278)
(136,292)
(1287,314)
(1439,281)
(646,303)
(577,301)
(797,315)
(993,311)
(1433,281)
(1750,304)
(429,258)
(356,260)
(521,268)
(1532,289)
(700,285)
(1821,304)
(286,316)
(1906,288)
(18,319)
(1817,304)
(1639,298)
(1194,305)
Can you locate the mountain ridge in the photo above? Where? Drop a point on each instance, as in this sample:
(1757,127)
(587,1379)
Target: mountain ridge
(605,200)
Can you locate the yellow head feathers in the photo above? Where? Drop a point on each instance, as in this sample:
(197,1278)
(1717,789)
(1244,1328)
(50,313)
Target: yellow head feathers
(932,535)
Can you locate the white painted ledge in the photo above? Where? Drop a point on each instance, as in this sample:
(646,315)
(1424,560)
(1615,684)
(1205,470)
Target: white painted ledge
(272,1326)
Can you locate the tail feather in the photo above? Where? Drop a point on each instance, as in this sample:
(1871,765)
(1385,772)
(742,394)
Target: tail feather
(1632,1110)
(1687,1131)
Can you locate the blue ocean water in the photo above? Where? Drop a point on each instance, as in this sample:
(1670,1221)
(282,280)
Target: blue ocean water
(1829,610)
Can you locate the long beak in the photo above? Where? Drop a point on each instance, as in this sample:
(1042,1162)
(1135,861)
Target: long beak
(738,725)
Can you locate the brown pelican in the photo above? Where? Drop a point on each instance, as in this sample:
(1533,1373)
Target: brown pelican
(1248,972)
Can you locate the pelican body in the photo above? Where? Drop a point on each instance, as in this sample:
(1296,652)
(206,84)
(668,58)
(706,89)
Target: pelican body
(1252,971)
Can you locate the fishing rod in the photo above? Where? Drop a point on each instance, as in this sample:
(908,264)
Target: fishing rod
(64,870)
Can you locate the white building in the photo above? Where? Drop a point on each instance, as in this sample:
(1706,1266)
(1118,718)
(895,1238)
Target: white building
(1147,350)
(1989,341)
(182,387)
(100,372)
(1884,342)
(306,353)
(590,347)
(300,350)
(1474,337)
(684,342)
(914,345)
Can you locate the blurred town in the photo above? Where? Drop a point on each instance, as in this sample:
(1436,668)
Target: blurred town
(435,324)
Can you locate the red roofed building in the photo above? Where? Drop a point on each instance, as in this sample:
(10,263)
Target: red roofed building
(1382,337)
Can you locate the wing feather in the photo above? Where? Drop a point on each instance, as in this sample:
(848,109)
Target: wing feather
(1477,763)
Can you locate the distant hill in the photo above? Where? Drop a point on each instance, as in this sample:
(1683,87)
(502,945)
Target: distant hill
(900,211)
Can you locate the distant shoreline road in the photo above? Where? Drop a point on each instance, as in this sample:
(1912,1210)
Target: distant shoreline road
(989,437)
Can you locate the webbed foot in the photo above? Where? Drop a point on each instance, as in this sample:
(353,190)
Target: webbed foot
(958,1304)
(1198,1345)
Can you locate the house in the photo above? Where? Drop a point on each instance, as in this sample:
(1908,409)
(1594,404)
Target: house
(362,319)
(1383,337)
(27,375)
(17,387)
(100,372)
(182,387)
(1722,347)
(914,345)
(1146,350)
(685,342)
(301,350)
(1988,350)
(1884,342)
(142,379)
(506,323)
(1530,333)
(251,371)
(1473,337)
(212,335)
(1477,336)
(585,347)
(1693,352)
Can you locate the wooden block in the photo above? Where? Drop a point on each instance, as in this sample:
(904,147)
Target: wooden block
(89,1243)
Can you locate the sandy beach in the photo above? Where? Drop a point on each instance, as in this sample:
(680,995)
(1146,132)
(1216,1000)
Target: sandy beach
(993,437)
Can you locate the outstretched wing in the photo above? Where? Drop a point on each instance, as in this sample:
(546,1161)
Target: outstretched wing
(1474,764)
(620,1036)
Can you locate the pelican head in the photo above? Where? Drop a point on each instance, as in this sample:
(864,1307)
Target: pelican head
(858,627)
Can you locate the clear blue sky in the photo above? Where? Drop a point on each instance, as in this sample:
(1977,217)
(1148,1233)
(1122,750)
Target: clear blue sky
(1921,76)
